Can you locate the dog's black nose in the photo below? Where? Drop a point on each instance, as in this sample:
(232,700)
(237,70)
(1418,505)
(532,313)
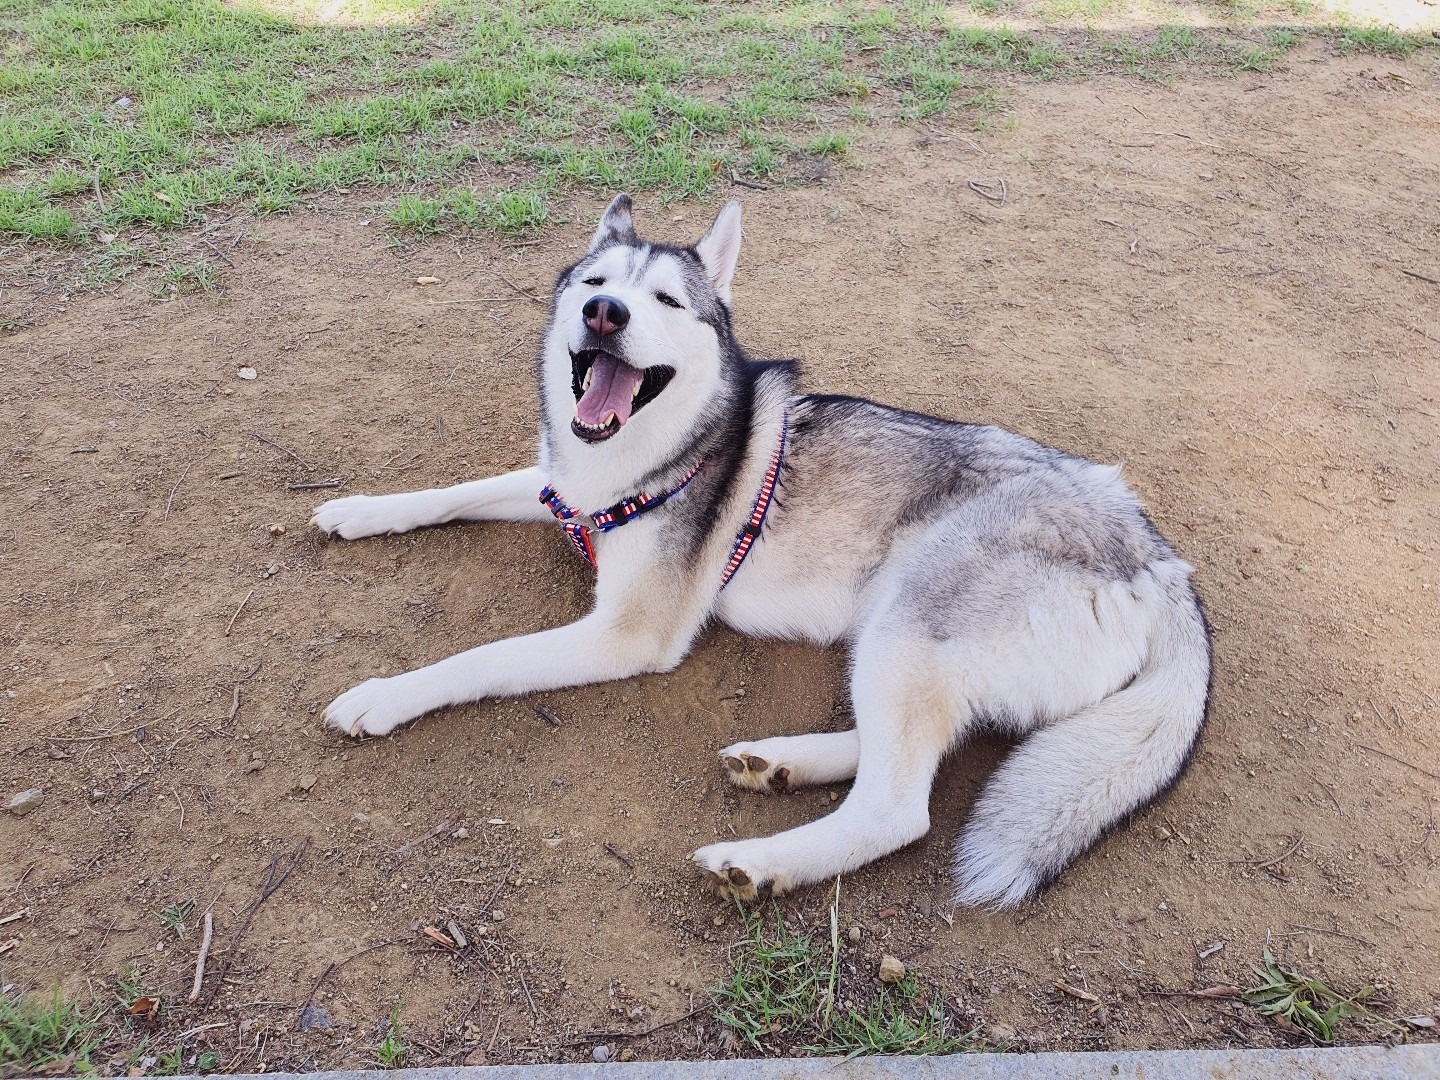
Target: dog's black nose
(605,314)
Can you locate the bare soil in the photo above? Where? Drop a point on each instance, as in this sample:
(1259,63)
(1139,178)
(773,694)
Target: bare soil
(1204,281)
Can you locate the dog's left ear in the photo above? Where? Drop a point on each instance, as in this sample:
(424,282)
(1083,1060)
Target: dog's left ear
(719,249)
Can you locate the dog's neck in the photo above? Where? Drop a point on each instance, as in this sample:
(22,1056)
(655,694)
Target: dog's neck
(592,477)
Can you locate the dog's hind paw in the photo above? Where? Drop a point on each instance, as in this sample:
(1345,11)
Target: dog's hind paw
(747,769)
(722,873)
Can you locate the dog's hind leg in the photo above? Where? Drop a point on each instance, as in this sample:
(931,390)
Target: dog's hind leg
(513,496)
(788,761)
(905,721)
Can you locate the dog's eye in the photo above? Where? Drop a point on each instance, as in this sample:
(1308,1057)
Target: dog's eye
(593,281)
(668,300)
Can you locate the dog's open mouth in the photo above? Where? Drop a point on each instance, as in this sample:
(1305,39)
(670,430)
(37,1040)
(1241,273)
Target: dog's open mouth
(609,391)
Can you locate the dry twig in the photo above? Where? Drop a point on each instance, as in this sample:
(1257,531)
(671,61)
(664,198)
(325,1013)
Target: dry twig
(272,881)
(173,490)
(230,626)
(1402,761)
(200,958)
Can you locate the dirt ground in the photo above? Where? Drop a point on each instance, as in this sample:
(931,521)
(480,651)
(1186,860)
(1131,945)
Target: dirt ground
(1204,281)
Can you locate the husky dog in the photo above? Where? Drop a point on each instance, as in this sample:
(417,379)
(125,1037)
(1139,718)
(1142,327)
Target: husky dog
(979,578)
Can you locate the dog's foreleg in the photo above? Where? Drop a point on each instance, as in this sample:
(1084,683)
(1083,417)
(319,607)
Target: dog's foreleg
(514,496)
(595,649)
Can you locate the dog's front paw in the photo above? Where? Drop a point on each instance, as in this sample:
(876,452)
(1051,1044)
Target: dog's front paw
(375,707)
(746,768)
(355,516)
(735,871)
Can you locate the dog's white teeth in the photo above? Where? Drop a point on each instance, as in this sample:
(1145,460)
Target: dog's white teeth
(589,374)
(635,392)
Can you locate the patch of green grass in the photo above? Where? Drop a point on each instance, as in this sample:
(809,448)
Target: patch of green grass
(391,1050)
(1380,39)
(900,1019)
(418,215)
(40,1036)
(786,990)
(1301,1003)
(832,145)
(185,279)
(774,984)
(174,108)
(173,917)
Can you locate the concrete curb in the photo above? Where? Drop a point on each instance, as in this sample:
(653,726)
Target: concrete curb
(1343,1063)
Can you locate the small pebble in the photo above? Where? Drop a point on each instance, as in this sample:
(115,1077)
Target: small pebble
(1001,1035)
(255,765)
(855,934)
(275,530)
(601,1053)
(308,781)
(627,1054)
(24,802)
(718,920)
(497,915)
(248,373)
(891,970)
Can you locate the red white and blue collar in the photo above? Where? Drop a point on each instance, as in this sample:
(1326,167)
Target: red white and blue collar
(629,509)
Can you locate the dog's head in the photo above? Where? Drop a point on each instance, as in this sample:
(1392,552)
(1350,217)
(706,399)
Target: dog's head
(640,343)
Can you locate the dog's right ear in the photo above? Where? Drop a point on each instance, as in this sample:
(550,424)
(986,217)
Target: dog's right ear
(615,225)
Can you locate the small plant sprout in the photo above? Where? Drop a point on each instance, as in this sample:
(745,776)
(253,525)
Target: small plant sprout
(391,1051)
(173,917)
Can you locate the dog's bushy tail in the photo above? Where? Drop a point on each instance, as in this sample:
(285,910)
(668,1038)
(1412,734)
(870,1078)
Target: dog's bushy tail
(1070,782)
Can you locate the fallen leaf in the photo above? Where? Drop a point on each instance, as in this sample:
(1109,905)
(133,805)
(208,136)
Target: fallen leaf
(160,196)
(147,1008)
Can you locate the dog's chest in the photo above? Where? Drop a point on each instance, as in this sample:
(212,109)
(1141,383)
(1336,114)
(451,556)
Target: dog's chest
(777,594)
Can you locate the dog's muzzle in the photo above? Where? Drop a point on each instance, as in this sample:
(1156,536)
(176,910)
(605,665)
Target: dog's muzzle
(608,391)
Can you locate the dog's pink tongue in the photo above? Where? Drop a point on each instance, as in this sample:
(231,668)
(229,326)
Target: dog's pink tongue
(612,388)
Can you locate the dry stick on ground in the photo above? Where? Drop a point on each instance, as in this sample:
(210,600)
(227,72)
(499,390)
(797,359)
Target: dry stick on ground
(336,965)
(523,292)
(612,850)
(1422,277)
(591,1036)
(1266,864)
(1332,933)
(548,715)
(235,697)
(439,830)
(286,450)
(473,300)
(173,490)
(1208,992)
(268,885)
(231,624)
(498,886)
(200,958)
(1402,761)
(337,482)
(981,190)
